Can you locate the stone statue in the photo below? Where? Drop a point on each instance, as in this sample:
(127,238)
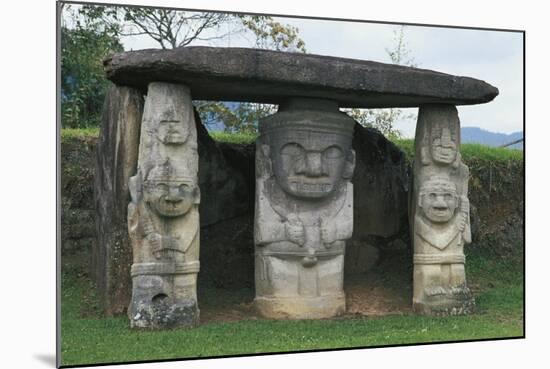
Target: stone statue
(440,215)
(304,209)
(163,217)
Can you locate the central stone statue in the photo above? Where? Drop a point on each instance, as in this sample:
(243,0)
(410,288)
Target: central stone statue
(304,209)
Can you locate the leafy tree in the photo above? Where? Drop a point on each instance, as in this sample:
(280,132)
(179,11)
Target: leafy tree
(83,85)
(170,28)
(176,28)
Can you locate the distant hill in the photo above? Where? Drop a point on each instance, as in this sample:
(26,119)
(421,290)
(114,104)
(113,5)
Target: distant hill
(481,136)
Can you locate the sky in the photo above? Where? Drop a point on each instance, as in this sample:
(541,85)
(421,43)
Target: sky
(492,56)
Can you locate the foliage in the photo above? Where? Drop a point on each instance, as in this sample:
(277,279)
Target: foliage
(472,154)
(240,138)
(243,117)
(400,54)
(177,28)
(70,133)
(236,117)
(273,35)
(170,28)
(384,119)
(380,119)
(83,47)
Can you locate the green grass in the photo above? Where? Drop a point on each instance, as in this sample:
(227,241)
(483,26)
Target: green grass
(234,138)
(89,338)
(470,152)
(70,133)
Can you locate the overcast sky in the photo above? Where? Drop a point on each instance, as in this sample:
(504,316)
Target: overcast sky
(493,56)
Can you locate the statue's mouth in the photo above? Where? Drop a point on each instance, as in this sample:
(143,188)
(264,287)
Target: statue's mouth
(313,185)
(174,138)
(440,210)
(171,207)
(445,152)
(307,186)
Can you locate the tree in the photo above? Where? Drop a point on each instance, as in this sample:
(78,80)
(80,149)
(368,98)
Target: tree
(170,28)
(384,119)
(177,28)
(83,85)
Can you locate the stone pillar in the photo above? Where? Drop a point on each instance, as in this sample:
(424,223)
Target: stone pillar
(440,214)
(304,209)
(163,217)
(116,161)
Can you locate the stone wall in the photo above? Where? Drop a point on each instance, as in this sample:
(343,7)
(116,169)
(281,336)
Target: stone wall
(77,194)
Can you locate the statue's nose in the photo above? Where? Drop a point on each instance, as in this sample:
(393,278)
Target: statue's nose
(440,202)
(314,165)
(173,195)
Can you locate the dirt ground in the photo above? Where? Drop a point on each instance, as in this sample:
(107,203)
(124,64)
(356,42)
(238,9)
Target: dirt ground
(374,293)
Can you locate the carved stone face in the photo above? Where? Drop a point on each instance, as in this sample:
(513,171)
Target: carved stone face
(169,198)
(444,149)
(438,200)
(171,130)
(309,164)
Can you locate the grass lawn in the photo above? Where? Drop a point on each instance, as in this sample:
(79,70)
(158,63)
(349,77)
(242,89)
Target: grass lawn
(89,338)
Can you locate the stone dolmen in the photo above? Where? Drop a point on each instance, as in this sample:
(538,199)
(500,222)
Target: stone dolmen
(148,168)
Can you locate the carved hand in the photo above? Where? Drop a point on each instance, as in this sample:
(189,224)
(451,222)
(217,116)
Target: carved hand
(155,240)
(328,233)
(464,205)
(171,242)
(464,213)
(295,230)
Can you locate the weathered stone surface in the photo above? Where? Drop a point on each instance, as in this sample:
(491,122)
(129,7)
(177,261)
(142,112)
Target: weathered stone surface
(116,161)
(240,74)
(304,209)
(380,190)
(163,216)
(440,215)
(226,178)
(360,257)
(77,194)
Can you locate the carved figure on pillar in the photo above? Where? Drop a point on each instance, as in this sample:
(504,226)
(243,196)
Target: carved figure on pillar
(304,209)
(163,217)
(440,215)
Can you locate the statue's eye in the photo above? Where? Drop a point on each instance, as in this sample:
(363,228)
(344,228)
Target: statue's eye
(292,149)
(448,197)
(333,152)
(184,188)
(161,187)
(433,196)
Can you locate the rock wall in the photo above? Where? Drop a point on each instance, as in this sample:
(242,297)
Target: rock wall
(77,194)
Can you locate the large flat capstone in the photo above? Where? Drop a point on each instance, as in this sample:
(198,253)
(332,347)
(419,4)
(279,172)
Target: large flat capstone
(255,75)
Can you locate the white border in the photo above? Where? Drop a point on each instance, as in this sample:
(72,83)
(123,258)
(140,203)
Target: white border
(28,185)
